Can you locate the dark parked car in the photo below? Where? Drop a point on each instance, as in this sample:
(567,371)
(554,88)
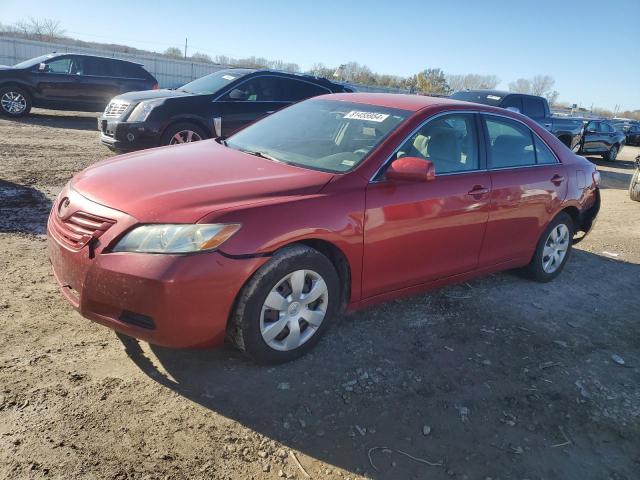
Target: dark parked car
(214,105)
(68,82)
(601,138)
(568,130)
(631,130)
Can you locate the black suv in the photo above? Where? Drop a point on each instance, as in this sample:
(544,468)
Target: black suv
(68,82)
(212,106)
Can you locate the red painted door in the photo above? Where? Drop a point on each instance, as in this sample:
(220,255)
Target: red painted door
(528,187)
(417,232)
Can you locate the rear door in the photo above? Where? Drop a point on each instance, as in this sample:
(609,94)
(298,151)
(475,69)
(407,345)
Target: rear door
(528,185)
(100,81)
(592,140)
(416,232)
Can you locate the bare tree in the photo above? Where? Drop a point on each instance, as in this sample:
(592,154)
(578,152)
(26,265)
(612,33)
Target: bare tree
(541,85)
(173,52)
(201,57)
(522,85)
(45,29)
(472,81)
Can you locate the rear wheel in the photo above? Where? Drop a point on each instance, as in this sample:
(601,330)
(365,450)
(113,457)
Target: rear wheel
(14,101)
(611,155)
(287,305)
(634,186)
(553,249)
(182,133)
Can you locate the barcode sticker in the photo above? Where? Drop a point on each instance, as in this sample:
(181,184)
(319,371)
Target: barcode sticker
(228,77)
(369,116)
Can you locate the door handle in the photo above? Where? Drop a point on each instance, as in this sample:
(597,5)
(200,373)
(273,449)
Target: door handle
(557,179)
(478,190)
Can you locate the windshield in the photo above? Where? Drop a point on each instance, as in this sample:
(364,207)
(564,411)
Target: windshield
(33,61)
(327,135)
(213,82)
(486,98)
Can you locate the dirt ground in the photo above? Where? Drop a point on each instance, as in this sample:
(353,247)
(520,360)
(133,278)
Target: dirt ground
(500,378)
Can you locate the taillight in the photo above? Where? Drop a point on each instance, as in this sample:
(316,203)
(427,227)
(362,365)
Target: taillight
(156,86)
(596,178)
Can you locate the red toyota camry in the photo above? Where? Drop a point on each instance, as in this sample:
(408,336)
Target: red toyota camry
(331,204)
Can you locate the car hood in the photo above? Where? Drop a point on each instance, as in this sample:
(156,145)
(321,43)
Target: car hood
(138,96)
(183,183)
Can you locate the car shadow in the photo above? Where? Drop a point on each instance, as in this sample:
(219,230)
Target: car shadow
(613,179)
(440,360)
(23,209)
(63,120)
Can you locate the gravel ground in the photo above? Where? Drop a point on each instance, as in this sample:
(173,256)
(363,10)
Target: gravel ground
(499,378)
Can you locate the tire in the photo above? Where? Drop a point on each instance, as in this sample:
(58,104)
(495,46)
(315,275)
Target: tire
(536,268)
(248,323)
(634,186)
(612,154)
(169,137)
(14,101)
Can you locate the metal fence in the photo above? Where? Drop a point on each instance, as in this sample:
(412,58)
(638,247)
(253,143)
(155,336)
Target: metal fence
(169,72)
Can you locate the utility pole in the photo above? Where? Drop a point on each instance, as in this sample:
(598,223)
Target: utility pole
(185,48)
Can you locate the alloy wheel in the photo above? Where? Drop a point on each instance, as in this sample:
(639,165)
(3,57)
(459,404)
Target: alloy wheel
(294,310)
(13,103)
(185,136)
(555,248)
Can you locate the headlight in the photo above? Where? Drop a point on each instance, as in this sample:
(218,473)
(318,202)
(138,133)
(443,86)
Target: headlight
(176,238)
(143,109)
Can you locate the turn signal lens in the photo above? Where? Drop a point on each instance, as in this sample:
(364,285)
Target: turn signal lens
(596,178)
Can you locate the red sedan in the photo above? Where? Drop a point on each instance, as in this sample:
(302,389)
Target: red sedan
(333,203)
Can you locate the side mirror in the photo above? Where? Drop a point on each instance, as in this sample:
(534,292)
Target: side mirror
(42,67)
(411,169)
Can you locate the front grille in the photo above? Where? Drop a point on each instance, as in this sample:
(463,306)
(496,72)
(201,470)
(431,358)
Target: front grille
(79,228)
(115,109)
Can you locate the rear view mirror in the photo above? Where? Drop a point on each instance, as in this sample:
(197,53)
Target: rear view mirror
(411,169)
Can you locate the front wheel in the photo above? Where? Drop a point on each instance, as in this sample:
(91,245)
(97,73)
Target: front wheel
(14,101)
(182,133)
(553,249)
(634,186)
(611,155)
(286,306)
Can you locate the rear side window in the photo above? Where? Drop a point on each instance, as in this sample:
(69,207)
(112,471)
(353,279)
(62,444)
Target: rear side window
(533,107)
(544,155)
(512,101)
(510,143)
(97,67)
(290,90)
(450,142)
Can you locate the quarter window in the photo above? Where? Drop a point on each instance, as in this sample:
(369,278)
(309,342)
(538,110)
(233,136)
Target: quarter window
(510,143)
(450,142)
(543,154)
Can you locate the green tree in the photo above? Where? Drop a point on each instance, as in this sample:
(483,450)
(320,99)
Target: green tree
(432,81)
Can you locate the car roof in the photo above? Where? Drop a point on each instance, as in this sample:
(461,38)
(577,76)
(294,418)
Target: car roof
(313,78)
(102,57)
(400,101)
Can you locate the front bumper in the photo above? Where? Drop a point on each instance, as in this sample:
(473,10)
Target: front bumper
(128,136)
(168,300)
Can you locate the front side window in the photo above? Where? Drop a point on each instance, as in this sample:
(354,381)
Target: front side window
(510,143)
(214,82)
(605,128)
(327,135)
(449,141)
(259,89)
(61,65)
(592,126)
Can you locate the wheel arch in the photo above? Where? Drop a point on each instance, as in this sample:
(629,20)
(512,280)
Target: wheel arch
(13,83)
(199,122)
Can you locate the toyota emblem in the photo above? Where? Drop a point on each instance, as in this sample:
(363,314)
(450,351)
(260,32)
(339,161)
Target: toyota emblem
(63,207)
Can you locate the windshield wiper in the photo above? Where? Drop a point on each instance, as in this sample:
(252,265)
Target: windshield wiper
(221,140)
(261,155)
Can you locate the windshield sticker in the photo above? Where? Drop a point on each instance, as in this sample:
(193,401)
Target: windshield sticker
(493,97)
(228,77)
(368,116)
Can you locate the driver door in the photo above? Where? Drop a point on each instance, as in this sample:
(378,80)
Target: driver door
(58,83)
(417,232)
